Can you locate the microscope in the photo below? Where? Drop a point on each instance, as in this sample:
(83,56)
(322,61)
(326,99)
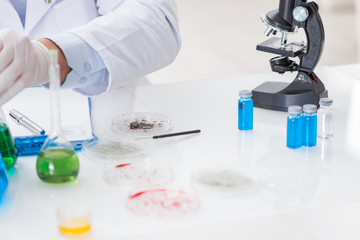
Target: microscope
(306,88)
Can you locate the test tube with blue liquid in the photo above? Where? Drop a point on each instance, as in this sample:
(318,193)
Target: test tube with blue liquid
(294,127)
(245,110)
(309,125)
(3,176)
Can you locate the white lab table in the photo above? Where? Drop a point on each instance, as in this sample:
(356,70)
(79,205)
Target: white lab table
(308,193)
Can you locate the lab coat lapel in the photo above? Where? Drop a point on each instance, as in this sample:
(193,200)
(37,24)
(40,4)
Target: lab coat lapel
(35,10)
(9,17)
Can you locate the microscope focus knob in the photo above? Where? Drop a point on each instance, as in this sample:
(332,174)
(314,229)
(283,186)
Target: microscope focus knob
(300,14)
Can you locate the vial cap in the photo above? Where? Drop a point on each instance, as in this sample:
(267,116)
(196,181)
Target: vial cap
(326,101)
(309,108)
(294,109)
(245,93)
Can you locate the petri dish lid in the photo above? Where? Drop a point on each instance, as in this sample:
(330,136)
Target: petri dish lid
(139,175)
(141,124)
(161,203)
(221,181)
(113,150)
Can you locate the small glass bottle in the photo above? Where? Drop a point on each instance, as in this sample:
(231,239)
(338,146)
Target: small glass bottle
(7,146)
(325,119)
(57,161)
(3,176)
(245,110)
(294,128)
(309,125)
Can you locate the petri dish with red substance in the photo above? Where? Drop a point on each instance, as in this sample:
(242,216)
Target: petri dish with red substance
(162,203)
(138,175)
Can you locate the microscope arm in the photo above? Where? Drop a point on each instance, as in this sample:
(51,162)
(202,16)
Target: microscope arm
(315,36)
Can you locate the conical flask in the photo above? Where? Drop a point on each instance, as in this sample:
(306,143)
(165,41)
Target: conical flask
(57,161)
(7,146)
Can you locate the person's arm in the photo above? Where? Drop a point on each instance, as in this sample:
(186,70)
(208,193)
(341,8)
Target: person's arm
(64,68)
(129,40)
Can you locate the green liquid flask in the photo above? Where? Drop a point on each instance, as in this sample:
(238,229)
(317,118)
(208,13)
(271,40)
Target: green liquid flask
(57,161)
(7,146)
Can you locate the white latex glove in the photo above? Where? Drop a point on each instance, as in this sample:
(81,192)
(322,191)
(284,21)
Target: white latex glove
(23,63)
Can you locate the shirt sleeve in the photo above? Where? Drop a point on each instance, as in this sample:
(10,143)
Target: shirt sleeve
(133,37)
(89,74)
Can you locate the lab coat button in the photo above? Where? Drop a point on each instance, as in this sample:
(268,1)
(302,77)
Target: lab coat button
(87,67)
(82,80)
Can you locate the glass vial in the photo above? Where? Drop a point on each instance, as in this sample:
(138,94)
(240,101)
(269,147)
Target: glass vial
(309,124)
(294,128)
(245,110)
(325,119)
(57,161)
(3,176)
(7,146)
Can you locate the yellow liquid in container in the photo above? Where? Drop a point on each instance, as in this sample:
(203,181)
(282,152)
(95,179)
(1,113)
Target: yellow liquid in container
(74,226)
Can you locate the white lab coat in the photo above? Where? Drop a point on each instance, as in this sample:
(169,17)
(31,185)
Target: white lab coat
(133,37)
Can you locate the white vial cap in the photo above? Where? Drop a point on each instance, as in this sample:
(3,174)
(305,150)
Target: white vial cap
(245,93)
(326,101)
(294,109)
(309,108)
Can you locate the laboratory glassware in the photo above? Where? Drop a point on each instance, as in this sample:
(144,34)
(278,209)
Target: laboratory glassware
(7,146)
(3,176)
(309,125)
(162,203)
(57,161)
(74,219)
(325,119)
(141,124)
(245,110)
(294,130)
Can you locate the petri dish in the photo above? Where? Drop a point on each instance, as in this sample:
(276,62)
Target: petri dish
(113,150)
(141,124)
(140,175)
(160,203)
(221,181)
(73,131)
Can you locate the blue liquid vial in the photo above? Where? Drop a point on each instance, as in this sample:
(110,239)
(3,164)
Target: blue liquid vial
(245,110)
(325,116)
(3,176)
(294,127)
(309,125)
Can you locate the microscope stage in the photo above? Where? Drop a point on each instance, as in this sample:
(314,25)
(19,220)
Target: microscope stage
(273,45)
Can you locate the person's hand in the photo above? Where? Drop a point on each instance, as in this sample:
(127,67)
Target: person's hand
(23,63)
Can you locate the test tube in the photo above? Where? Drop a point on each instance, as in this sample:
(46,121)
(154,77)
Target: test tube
(309,125)
(294,130)
(245,110)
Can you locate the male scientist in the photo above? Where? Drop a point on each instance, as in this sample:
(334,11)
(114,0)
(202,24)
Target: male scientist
(102,43)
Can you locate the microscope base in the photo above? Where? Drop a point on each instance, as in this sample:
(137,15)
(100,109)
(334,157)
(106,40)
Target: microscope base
(270,95)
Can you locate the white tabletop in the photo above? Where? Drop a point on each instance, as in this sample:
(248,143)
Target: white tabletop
(309,193)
